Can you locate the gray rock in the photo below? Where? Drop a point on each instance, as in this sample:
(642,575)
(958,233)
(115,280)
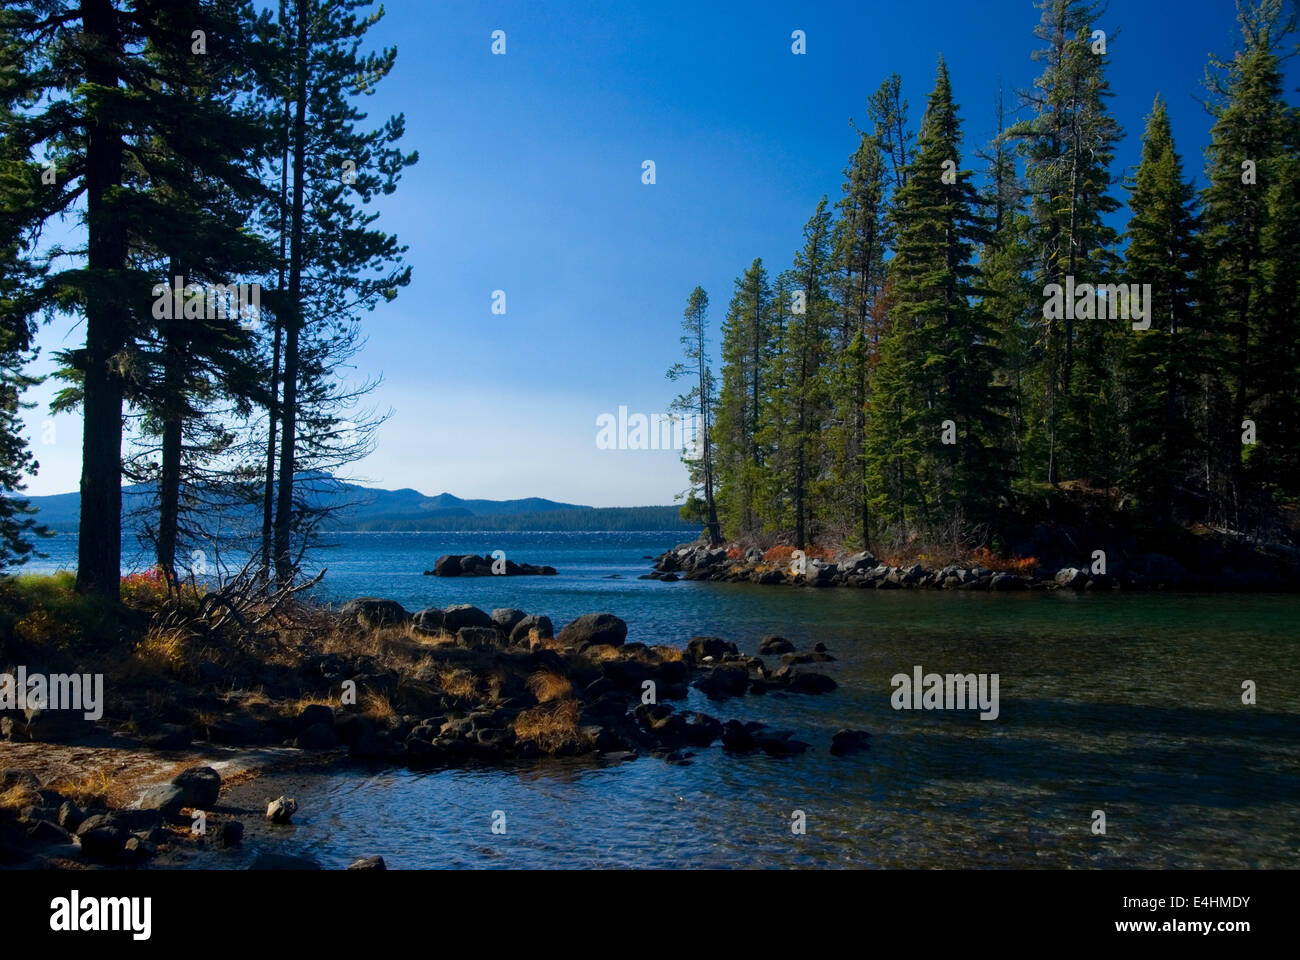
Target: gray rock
(1071,577)
(281,809)
(507,618)
(166,798)
(368,863)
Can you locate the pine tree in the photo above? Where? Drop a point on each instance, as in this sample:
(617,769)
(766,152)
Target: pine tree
(938,445)
(746,356)
(339,265)
(1250,223)
(1006,265)
(698,402)
(1163,363)
(800,401)
(1068,146)
(98,114)
(858,244)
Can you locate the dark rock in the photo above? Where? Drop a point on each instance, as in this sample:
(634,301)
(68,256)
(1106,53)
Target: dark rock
(592,629)
(372,612)
(314,714)
(726,680)
(45,833)
(368,863)
(847,741)
(102,843)
(202,786)
(507,618)
(70,815)
(772,645)
(230,834)
(811,683)
(319,736)
(520,634)
(464,615)
(447,566)
(430,620)
(698,648)
(472,637)
(166,798)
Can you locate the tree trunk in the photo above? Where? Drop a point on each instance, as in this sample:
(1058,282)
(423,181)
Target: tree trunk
(99,542)
(284,497)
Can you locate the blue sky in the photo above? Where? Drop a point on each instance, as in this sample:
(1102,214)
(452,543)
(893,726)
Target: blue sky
(529,181)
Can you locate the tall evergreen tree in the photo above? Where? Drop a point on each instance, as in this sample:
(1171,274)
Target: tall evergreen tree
(98,114)
(1250,218)
(1163,364)
(746,356)
(858,245)
(699,402)
(339,265)
(799,406)
(1068,145)
(936,411)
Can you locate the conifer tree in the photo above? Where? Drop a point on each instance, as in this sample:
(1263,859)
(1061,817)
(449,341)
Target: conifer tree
(1162,364)
(1068,145)
(698,402)
(1250,229)
(746,356)
(939,431)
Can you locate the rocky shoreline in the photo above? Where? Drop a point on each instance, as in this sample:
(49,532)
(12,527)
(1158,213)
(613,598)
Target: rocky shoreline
(1277,569)
(440,688)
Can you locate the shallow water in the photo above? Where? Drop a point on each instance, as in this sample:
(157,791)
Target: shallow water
(1127,703)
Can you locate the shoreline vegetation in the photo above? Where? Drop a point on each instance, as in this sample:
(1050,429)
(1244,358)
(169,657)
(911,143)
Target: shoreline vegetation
(1071,536)
(369,683)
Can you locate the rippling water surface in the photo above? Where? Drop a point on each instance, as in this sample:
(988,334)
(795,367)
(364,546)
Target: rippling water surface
(1126,703)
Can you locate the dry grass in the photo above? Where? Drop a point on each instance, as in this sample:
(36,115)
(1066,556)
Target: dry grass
(602,652)
(458,682)
(377,706)
(552,725)
(291,708)
(91,790)
(18,796)
(162,651)
(546,686)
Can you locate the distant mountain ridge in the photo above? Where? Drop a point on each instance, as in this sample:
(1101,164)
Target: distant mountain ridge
(372,508)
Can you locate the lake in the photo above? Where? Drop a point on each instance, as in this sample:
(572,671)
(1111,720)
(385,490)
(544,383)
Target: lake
(1126,703)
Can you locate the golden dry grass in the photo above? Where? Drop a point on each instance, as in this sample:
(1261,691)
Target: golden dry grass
(18,796)
(547,685)
(377,706)
(458,682)
(552,725)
